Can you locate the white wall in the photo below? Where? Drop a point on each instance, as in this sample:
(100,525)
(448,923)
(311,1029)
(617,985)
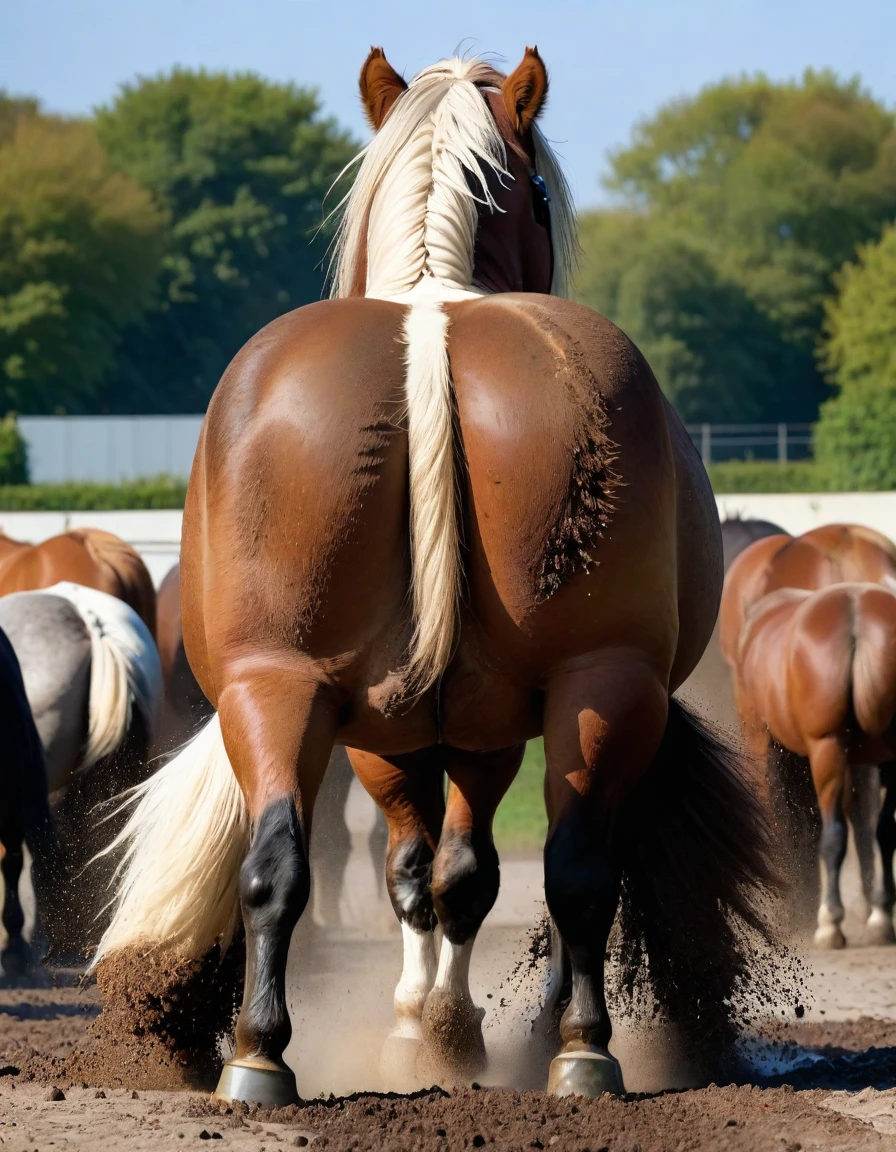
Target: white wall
(156,535)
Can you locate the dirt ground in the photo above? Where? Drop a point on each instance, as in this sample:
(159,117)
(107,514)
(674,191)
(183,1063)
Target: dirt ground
(824,1081)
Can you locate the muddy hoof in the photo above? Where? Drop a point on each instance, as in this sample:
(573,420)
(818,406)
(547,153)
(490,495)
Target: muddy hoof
(879,928)
(829,936)
(589,1072)
(398,1063)
(453,1050)
(257,1082)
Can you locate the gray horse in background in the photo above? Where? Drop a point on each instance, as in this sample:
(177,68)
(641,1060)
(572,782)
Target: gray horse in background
(93,679)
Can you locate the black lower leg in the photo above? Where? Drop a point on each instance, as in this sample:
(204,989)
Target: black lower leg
(408,879)
(465,882)
(886,831)
(274,889)
(582,891)
(833,852)
(15,953)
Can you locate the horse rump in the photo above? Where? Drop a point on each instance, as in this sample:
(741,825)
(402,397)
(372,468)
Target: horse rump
(694,848)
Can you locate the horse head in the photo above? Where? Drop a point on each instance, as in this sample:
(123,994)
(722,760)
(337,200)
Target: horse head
(458,185)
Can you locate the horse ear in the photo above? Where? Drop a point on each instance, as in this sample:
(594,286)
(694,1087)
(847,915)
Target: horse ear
(525,91)
(380,87)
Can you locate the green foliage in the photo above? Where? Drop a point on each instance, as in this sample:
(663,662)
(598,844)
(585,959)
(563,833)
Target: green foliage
(161,492)
(80,251)
(13,453)
(855,439)
(742,203)
(240,166)
(520,822)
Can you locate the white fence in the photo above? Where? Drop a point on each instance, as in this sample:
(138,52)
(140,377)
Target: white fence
(156,534)
(109,449)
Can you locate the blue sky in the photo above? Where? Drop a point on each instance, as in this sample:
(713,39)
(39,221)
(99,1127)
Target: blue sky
(611,63)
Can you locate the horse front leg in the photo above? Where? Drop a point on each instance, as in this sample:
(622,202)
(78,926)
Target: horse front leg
(602,729)
(409,791)
(864,815)
(465,881)
(278,730)
(16,958)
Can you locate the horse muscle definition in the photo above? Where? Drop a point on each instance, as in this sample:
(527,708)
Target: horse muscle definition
(431,518)
(809,630)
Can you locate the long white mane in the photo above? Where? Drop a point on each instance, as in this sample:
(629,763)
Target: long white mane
(412,214)
(413,206)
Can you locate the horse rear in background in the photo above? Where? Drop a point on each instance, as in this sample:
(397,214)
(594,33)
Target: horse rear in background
(430,519)
(809,630)
(86,556)
(92,678)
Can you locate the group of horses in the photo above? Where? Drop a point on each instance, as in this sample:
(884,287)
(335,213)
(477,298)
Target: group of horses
(94,690)
(439,515)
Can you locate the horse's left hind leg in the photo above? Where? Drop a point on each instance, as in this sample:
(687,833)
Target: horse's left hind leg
(16,958)
(864,814)
(278,730)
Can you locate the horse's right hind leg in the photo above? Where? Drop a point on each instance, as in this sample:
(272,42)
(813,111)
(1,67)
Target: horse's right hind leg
(16,958)
(829,773)
(864,815)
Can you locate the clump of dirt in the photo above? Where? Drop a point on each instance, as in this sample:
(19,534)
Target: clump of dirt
(731,1118)
(160,1025)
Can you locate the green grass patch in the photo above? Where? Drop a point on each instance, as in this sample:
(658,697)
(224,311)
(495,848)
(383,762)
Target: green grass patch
(520,822)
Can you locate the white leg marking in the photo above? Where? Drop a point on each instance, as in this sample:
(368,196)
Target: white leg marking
(453,975)
(417,975)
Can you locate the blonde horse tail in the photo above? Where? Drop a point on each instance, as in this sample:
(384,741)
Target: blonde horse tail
(435,544)
(128,571)
(181,851)
(125,670)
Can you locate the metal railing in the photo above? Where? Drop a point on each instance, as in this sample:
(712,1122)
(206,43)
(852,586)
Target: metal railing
(781,442)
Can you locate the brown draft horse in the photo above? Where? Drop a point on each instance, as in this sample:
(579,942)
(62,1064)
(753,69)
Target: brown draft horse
(431,519)
(87,556)
(809,630)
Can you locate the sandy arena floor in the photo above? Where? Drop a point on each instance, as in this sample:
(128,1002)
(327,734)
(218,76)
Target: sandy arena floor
(836,1087)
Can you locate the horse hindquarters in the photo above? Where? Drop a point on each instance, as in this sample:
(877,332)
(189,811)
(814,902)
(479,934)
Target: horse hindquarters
(644,800)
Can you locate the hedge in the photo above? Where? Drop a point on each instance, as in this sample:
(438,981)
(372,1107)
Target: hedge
(161,492)
(729,478)
(13,453)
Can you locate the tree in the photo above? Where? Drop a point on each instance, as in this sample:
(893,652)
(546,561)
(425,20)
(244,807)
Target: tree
(776,184)
(240,166)
(855,439)
(80,252)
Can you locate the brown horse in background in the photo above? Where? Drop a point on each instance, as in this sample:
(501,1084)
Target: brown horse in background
(87,556)
(809,631)
(429,520)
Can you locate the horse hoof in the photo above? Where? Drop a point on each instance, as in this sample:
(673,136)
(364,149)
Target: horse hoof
(453,1050)
(879,928)
(398,1062)
(829,936)
(591,1073)
(257,1081)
